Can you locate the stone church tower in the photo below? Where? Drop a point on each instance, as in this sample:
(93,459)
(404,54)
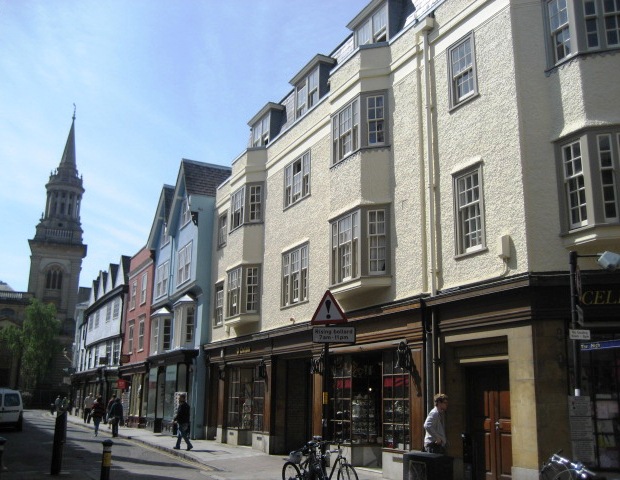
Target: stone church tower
(57,249)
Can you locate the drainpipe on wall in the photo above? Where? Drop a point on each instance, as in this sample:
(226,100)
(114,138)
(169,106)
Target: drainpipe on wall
(426,158)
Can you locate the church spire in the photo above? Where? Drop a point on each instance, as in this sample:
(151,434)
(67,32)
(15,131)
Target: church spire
(60,222)
(68,162)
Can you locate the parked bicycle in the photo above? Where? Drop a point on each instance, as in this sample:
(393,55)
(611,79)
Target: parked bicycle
(560,468)
(316,462)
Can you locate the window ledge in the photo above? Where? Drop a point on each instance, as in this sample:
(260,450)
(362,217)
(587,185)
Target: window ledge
(598,235)
(242,319)
(360,285)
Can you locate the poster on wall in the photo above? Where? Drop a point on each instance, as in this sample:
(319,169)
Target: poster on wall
(581,428)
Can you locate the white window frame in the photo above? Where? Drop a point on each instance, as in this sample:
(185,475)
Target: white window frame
(297,180)
(345,131)
(108,313)
(559,28)
(163,272)
(143,286)
(186,214)
(469,208)
(133,295)
(130,334)
(141,325)
(255,203)
(218,316)
(167,333)
(462,70)
(184,264)
(375,118)
(246,205)
(374,29)
(222,230)
(237,208)
(233,292)
(243,290)
(260,132)
(377,242)
(295,276)
(575,184)
(345,247)
(608,174)
(307,93)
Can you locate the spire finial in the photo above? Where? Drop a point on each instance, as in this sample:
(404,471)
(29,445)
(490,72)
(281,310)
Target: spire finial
(74,107)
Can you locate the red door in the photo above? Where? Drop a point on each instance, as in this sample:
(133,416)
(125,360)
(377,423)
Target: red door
(490,422)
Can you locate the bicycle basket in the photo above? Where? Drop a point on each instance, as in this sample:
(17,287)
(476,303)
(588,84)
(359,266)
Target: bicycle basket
(295,457)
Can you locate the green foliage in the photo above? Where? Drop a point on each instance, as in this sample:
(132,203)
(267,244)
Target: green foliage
(36,342)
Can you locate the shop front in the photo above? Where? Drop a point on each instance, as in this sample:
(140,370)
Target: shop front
(597,443)
(168,374)
(134,383)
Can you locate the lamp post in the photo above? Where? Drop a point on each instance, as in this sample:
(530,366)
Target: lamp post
(607,260)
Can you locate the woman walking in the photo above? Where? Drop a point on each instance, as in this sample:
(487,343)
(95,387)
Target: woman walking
(97,413)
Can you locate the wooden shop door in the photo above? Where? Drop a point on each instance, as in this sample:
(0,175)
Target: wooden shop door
(490,422)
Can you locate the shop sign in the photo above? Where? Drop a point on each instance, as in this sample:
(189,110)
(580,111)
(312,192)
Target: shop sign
(602,345)
(599,306)
(121,384)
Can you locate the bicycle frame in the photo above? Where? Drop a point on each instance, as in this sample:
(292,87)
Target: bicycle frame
(560,468)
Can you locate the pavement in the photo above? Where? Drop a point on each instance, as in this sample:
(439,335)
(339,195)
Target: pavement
(225,462)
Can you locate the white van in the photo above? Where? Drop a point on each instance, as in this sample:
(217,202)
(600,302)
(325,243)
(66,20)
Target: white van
(11,409)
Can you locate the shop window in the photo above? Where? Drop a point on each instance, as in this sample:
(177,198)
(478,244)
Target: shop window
(258,405)
(602,370)
(240,398)
(356,398)
(396,433)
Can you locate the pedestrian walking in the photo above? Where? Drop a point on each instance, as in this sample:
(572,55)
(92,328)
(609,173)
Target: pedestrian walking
(107,410)
(435,440)
(182,420)
(88,406)
(57,405)
(115,416)
(97,413)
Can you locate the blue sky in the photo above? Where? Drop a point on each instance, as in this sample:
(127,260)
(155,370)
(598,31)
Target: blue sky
(154,81)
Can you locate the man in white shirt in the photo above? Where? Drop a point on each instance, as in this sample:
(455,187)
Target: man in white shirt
(88,406)
(435,439)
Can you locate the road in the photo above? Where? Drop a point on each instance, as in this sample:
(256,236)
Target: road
(28,455)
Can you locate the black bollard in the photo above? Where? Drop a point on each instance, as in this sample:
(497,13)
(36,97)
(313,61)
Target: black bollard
(2,442)
(106,459)
(60,436)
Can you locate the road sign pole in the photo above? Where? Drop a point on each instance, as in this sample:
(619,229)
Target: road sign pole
(326,370)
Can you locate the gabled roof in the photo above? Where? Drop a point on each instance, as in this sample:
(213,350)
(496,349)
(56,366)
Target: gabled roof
(161,215)
(202,178)
(195,179)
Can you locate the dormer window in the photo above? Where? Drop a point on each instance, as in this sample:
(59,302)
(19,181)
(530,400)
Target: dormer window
(186,214)
(307,92)
(260,132)
(374,29)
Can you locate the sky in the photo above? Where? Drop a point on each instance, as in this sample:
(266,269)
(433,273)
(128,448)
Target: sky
(153,82)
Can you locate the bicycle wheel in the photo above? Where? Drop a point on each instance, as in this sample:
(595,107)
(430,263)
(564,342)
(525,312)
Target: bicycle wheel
(346,472)
(290,471)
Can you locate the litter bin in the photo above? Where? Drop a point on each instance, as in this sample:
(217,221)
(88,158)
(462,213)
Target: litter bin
(427,466)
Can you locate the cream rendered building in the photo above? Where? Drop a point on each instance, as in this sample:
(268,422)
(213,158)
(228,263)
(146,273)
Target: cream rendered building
(433,172)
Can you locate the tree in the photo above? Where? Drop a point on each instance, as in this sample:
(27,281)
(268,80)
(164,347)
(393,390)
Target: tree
(36,342)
